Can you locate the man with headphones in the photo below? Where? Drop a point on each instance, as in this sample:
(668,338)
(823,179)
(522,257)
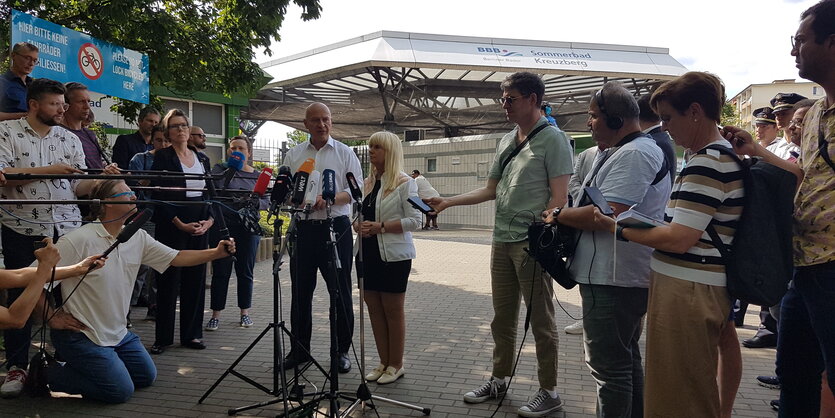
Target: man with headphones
(614,276)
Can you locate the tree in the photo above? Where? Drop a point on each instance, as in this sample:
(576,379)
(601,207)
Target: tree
(296,137)
(730,116)
(192,45)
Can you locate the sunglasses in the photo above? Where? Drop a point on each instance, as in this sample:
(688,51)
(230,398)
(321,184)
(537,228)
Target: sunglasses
(509,99)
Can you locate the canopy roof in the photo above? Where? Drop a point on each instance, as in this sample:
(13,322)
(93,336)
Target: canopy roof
(447,85)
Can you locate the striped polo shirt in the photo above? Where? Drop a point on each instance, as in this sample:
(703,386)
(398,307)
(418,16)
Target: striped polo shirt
(708,191)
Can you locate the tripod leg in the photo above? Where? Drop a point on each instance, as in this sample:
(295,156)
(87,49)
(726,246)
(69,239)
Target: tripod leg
(238,360)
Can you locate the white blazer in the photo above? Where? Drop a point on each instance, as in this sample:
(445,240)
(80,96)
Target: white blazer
(394,206)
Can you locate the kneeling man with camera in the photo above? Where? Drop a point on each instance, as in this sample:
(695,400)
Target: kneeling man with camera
(105,361)
(614,276)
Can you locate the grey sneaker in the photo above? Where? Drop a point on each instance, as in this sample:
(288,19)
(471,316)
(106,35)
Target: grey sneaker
(490,390)
(541,404)
(212,325)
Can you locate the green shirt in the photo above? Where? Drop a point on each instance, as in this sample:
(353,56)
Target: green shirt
(522,192)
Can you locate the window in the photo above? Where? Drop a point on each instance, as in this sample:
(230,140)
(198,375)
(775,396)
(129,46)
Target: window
(209,117)
(431,165)
(481,170)
(169,104)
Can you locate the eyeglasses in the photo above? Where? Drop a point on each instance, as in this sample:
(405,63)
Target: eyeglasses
(27,58)
(181,126)
(796,122)
(797,41)
(509,99)
(128,194)
(200,135)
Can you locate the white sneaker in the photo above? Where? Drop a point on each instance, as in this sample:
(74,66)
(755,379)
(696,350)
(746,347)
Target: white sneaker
(375,374)
(390,375)
(13,384)
(575,328)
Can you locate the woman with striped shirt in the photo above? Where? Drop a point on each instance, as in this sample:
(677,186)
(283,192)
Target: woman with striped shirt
(688,301)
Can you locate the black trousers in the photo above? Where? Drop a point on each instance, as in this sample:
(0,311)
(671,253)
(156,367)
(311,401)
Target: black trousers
(189,283)
(310,256)
(18,252)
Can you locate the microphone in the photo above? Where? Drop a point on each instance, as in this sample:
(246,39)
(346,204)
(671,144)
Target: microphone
(329,186)
(281,188)
(356,193)
(263,181)
(234,164)
(129,230)
(313,190)
(300,185)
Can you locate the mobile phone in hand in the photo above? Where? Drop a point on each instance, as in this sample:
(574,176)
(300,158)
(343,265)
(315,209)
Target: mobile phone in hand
(420,205)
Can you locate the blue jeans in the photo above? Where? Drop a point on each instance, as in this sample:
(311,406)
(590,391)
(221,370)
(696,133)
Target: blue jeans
(246,247)
(611,330)
(106,374)
(806,341)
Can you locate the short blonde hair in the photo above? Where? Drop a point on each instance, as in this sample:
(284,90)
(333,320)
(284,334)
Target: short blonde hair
(394,158)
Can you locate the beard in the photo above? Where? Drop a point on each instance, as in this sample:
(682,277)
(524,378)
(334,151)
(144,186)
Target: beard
(49,120)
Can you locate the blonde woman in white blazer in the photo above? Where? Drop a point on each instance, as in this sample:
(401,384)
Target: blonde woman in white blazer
(387,251)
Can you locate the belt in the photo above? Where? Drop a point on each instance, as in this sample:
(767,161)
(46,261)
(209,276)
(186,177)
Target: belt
(320,221)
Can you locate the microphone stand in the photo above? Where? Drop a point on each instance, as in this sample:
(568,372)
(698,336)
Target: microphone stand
(363,393)
(280,383)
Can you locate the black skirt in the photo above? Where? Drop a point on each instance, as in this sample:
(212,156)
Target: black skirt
(379,275)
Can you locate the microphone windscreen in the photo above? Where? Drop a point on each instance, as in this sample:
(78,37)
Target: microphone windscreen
(236,160)
(285,170)
(300,181)
(281,187)
(312,188)
(263,182)
(356,192)
(131,228)
(308,165)
(329,185)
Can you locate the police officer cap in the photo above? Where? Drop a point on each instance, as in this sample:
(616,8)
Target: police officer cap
(764,115)
(783,101)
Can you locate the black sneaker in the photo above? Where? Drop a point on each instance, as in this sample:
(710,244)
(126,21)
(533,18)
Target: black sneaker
(771,382)
(775,404)
(490,390)
(541,404)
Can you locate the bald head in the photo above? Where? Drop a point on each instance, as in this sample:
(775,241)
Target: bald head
(317,121)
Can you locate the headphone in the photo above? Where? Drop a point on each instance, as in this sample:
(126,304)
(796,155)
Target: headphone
(612,122)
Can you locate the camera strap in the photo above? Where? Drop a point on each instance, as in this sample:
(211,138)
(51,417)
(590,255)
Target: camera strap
(522,145)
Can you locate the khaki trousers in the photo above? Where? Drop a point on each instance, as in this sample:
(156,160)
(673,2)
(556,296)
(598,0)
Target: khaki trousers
(515,275)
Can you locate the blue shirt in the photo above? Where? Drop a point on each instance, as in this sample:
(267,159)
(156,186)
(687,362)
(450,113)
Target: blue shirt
(13,97)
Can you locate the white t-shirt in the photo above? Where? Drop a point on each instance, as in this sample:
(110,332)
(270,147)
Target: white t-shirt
(102,300)
(197,168)
(424,188)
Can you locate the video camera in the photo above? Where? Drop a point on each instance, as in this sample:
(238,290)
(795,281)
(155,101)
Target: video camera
(550,245)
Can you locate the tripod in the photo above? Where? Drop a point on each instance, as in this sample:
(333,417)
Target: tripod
(280,383)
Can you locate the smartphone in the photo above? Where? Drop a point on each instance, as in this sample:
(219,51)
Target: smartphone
(595,197)
(419,205)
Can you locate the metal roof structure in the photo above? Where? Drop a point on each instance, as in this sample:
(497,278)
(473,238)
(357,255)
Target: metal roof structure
(446,85)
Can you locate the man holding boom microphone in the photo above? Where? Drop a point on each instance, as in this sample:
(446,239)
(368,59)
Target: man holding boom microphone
(321,152)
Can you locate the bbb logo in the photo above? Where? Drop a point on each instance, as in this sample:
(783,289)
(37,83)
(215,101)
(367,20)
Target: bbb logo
(502,52)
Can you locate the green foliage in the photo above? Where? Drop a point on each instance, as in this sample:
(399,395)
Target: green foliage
(192,46)
(268,227)
(101,135)
(729,116)
(296,137)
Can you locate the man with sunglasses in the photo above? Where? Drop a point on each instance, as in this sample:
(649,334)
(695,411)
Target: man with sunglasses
(530,173)
(197,138)
(13,83)
(36,144)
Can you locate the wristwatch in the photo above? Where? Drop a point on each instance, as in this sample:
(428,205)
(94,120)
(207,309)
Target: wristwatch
(382,227)
(619,233)
(555,214)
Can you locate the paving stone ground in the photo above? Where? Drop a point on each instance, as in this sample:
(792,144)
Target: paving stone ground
(448,348)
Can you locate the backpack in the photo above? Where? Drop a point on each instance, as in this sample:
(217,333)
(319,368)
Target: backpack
(759,263)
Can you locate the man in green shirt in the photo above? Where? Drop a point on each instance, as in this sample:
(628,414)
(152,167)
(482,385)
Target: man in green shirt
(522,182)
